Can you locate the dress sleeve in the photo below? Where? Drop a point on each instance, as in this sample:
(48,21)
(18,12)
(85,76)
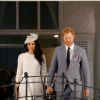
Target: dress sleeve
(44,66)
(19,69)
(44,70)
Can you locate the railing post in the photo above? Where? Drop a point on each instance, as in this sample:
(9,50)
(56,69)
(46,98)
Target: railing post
(26,82)
(14,85)
(75,83)
(63,86)
(44,88)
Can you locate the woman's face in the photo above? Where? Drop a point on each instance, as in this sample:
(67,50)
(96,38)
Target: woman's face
(31,46)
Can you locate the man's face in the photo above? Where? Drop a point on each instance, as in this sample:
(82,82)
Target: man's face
(68,38)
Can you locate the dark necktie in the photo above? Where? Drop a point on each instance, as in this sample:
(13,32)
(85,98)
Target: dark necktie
(68,56)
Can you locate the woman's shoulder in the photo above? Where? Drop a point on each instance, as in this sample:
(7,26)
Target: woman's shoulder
(22,54)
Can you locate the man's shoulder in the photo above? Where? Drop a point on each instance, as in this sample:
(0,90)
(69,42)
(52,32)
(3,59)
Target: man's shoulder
(59,47)
(79,48)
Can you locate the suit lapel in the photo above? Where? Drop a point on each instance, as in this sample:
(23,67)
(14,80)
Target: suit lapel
(74,52)
(64,55)
(71,61)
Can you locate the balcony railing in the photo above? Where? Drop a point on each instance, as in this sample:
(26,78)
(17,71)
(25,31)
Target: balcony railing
(45,95)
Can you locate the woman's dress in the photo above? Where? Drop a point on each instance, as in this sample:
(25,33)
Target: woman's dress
(28,63)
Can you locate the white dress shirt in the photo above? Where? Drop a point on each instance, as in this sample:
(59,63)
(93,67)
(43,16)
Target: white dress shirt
(71,50)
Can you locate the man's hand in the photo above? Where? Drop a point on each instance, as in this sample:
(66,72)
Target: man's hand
(49,89)
(85,92)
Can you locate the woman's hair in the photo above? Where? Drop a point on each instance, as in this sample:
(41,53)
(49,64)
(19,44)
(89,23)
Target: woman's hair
(37,51)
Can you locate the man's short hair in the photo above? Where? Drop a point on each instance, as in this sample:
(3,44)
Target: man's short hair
(67,30)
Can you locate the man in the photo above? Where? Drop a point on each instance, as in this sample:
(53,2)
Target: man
(71,60)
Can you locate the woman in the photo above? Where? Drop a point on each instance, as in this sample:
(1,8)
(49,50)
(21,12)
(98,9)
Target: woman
(34,63)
